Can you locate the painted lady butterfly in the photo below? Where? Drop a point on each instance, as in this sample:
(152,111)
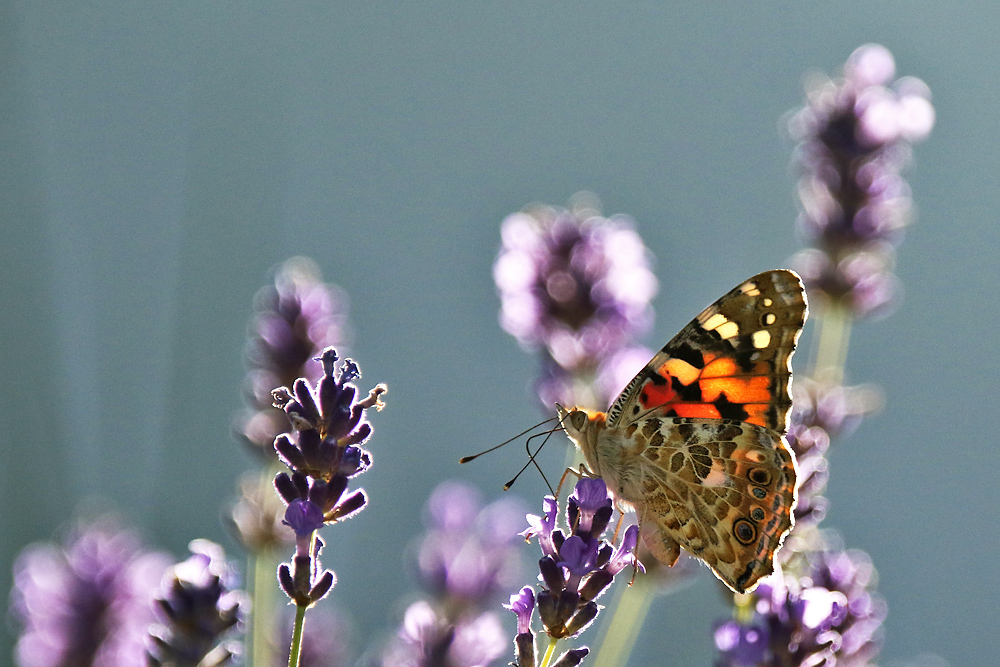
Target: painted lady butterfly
(695,443)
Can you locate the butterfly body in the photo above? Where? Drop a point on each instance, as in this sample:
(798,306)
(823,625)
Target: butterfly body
(694,444)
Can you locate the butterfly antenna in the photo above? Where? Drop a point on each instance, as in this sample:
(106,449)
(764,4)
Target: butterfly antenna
(466,459)
(531,457)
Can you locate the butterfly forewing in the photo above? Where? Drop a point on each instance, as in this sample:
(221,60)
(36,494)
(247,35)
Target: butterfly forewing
(730,362)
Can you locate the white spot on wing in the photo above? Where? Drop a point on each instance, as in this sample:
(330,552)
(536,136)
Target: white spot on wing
(728,329)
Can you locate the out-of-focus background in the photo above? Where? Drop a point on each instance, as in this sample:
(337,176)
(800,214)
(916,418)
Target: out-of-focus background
(157,160)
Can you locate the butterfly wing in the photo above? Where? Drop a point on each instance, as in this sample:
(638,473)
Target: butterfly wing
(707,415)
(723,490)
(730,362)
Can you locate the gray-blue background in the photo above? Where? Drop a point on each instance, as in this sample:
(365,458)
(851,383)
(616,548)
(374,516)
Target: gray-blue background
(157,159)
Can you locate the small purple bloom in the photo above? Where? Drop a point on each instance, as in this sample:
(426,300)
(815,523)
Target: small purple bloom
(590,506)
(578,557)
(542,526)
(624,553)
(522,604)
(304,517)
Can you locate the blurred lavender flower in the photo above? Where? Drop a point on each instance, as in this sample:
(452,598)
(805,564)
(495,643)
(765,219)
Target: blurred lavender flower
(197,607)
(575,570)
(577,286)
(852,574)
(855,135)
(467,557)
(469,553)
(87,602)
(294,320)
(821,411)
(258,516)
(830,617)
(430,639)
(323,453)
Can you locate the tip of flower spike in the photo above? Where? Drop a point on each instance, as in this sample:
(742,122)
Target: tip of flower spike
(328,358)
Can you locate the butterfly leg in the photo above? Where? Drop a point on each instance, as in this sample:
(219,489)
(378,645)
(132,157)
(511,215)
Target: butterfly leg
(582,472)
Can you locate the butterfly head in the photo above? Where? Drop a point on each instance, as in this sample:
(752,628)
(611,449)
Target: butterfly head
(582,427)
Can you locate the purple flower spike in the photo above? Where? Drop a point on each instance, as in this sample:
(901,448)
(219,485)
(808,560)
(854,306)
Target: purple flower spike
(855,135)
(577,286)
(197,608)
(323,454)
(577,569)
(469,552)
(87,601)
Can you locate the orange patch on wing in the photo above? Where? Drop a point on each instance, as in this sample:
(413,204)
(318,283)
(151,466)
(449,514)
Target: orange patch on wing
(737,390)
(718,367)
(756,414)
(697,410)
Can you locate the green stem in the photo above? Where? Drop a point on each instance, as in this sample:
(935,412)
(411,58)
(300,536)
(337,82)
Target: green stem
(631,607)
(549,652)
(261,564)
(296,648)
(833,333)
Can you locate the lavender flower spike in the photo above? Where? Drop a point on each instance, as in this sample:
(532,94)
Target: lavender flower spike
(576,286)
(197,608)
(575,569)
(87,601)
(467,556)
(855,135)
(323,452)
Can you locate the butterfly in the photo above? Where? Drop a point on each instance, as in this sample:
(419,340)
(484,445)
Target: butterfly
(695,443)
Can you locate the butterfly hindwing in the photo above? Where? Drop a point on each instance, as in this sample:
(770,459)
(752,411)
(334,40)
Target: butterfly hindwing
(723,490)
(730,362)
